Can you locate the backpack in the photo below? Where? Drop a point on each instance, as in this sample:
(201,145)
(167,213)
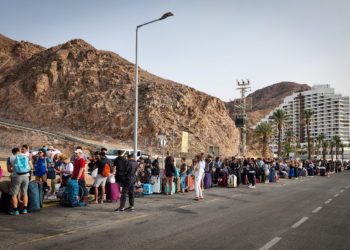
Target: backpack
(106,170)
(22,164)
(70,196)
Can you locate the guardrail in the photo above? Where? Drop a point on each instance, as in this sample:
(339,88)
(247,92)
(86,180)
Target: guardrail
(46,132)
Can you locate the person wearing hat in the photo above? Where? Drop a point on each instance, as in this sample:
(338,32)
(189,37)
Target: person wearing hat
(66,170)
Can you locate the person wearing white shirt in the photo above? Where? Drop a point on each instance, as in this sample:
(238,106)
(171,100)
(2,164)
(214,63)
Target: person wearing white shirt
(199,168)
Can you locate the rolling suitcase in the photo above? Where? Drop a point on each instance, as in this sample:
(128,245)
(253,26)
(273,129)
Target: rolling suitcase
(5,202)
(232,181)
(272,176)
(222,180)
(190,183)
(167,187)
(322,171)
(207,180)
(156,184)
(112,191)
(147,189)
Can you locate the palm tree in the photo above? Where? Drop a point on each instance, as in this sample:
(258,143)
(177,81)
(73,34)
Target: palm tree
(288,148)
(331,146)
(308,113)
(320,140)
(342,145)
(289,134)
(279,117)
(325,146)
(337,142)
(265,132)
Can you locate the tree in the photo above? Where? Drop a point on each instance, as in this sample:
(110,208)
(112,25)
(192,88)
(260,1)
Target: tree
(288,148)
(264,131)
(308,113)
(279,117)
(325,146)
(342,145)
(289,134)
(331,146)
(320,140)
(337,142)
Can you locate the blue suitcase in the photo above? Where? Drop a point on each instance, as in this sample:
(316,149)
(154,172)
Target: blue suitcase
(147,189)
(272,176)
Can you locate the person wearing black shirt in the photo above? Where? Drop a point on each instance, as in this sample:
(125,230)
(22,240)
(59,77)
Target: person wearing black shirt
(127,180)
(100,181)
(169,173)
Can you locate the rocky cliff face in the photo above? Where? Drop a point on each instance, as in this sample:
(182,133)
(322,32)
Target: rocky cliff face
(74,87)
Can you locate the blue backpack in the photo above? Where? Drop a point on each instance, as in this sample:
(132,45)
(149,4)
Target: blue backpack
(70,197)
(22,164)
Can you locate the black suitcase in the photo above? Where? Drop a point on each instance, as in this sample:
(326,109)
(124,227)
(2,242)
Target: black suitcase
(5,202)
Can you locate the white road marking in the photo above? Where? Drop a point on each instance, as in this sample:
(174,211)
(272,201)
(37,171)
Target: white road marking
(271,243)
(301,221)
(328,201)
(316,210)
(342,190)
(336,195)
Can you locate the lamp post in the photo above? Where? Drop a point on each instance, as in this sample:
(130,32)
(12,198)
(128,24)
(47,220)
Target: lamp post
(166,15)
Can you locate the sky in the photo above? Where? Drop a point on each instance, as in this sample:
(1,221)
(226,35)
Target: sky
(207,44)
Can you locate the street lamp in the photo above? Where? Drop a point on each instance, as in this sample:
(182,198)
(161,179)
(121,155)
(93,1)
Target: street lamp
(166,15)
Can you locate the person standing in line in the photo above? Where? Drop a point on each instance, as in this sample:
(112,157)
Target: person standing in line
(100,180)
(183,171)
(251,173)
(127,181)
(78,170)
(199,173)
(19,166)
(169,173)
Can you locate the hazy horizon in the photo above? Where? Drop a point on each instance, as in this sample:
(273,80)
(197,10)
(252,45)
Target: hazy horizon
(205,45)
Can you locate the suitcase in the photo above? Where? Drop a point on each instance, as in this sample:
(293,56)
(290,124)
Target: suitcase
(291,173)
(232,181)
(207,180)
(35,196)
(222,180)
(156,184)
(190,183)
(147,189)
(172,189)
(257,180)
(323,171)
(272,176)
(112,191)
(5,202)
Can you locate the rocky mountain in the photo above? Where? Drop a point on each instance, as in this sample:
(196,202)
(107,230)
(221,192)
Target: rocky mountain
(78,89)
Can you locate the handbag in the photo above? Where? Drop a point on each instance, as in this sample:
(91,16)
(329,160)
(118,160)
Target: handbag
(51,174)
(94,173)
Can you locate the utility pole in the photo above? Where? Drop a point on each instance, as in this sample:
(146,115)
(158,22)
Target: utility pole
(241,118)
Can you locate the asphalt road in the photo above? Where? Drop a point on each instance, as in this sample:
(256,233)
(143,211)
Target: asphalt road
(308,213)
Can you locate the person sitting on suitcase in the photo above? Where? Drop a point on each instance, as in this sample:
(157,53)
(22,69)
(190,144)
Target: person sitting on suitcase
(19,165)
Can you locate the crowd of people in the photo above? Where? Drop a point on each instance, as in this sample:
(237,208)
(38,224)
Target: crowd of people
(132,174)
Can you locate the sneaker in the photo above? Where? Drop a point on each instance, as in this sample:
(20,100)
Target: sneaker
(14,212)
(24,211)
(121,209)
(52,197)
(252,187)
(249,185)
(130,208)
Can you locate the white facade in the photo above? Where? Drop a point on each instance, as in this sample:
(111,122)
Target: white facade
(331,114)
